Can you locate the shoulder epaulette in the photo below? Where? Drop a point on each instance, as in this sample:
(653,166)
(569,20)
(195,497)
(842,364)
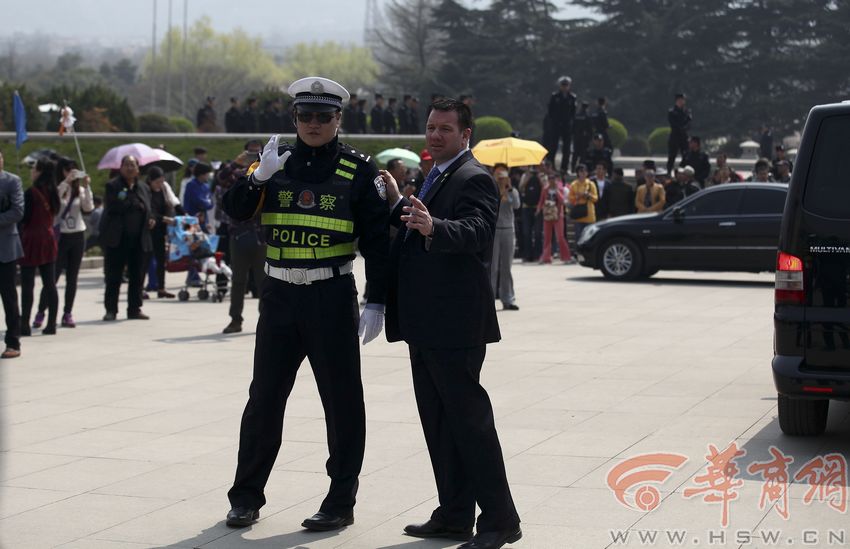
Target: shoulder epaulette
(351,152)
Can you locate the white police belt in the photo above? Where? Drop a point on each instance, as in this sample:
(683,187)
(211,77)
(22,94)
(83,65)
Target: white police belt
(307,276)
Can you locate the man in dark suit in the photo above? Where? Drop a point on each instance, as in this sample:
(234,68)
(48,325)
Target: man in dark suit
(440,303)
(126,238)
(11,212)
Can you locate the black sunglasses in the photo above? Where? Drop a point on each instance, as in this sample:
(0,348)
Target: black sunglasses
(321,117)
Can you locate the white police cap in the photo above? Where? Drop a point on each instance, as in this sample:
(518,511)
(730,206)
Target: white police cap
(319,94)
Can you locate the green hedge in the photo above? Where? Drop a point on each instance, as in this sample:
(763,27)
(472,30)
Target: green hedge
(218,149)
(635,146)
(658,140)
(617,132)
(491,127)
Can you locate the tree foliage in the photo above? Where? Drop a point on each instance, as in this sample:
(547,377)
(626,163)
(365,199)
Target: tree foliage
(97,108)
(217,64)
(233,64)
(351,66)
(754,61)
(408,47)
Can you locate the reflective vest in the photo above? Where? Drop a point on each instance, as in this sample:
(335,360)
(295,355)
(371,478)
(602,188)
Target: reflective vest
(310,225)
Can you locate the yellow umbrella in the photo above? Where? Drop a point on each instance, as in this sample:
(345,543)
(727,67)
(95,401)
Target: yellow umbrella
(510,151)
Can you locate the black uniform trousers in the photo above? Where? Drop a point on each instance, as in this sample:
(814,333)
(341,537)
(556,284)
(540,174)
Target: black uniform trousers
(127,254)
(460,431)
(565,133)
(677,144)
(318,321)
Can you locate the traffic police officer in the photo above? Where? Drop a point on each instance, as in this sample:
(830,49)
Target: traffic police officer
(316,198)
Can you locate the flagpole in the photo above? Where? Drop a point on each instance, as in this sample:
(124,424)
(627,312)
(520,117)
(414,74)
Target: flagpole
(79,153)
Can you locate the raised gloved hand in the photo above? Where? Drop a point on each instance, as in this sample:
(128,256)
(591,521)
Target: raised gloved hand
(270,162)
(371,322)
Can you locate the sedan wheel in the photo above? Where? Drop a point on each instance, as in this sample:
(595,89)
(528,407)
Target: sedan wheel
(621,260)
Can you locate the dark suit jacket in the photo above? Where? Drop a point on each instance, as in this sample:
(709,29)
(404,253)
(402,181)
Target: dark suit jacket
(114,208)
(440,295)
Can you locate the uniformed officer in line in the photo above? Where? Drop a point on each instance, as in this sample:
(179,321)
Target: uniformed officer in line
(316,199)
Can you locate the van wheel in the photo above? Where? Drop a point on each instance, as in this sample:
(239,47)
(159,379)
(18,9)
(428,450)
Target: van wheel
(802,417)
(620,259)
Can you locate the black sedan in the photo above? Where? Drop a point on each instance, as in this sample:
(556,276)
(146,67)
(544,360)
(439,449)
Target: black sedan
(732,227)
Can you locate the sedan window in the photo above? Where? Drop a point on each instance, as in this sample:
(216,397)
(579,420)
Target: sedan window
(763,202)
(716,203)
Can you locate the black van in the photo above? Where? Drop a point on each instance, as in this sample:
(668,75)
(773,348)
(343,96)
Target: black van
(811,363)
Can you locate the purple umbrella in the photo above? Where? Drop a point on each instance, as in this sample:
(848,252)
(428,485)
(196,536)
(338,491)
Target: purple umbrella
(144,154)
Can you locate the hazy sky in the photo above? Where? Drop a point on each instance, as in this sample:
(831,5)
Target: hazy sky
(278,22)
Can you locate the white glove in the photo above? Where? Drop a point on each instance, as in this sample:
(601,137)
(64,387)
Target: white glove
(270,162)
(371,322)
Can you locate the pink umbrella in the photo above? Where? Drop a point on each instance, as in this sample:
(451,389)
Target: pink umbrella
(144,154)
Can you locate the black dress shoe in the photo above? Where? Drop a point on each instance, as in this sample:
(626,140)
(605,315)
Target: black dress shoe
(109,317)
(511,307)
(232,328)
(492,540)
(435,529)
(239,517)
(138,315)
(322,522)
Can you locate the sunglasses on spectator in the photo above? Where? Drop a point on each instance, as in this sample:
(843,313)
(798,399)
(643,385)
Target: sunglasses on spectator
(321,117)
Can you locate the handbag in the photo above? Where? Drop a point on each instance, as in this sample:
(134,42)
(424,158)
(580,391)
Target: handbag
(578,211)
(550,211)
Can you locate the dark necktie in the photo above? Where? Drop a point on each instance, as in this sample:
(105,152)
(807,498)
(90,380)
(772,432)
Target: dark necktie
(429,180)
(426,186)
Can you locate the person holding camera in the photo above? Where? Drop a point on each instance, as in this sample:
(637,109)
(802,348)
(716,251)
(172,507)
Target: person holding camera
(583,197)
(75,201)
(504,240)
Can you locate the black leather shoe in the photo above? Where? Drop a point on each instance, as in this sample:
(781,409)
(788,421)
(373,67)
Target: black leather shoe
(109,317)
(322,522)
(511,307)
(492,540)
(138,315)
(435,529)
(239,517)
(232,328)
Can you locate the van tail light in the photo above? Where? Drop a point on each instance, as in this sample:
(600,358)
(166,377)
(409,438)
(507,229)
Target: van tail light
(789,280)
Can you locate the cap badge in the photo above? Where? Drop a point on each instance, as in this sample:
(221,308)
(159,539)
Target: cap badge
(317,88)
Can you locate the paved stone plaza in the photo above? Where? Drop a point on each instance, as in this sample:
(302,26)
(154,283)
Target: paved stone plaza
(124,435)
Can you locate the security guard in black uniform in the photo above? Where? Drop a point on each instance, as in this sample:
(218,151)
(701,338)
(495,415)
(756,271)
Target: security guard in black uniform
(679,119)
(316,198)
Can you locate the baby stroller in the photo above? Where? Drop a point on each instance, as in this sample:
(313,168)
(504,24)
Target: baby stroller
(190,248)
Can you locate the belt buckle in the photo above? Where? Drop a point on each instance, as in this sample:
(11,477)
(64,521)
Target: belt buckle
(298,276)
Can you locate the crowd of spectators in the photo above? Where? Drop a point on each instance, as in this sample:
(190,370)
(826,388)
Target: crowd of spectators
(541,209)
